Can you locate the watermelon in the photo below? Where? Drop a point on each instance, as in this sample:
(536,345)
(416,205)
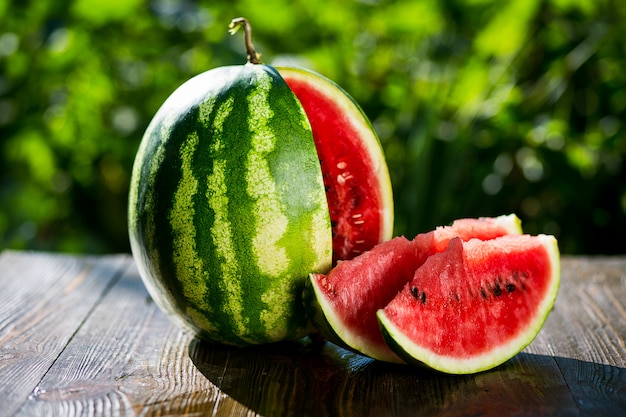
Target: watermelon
(475,305)
(237,194)
(343,304)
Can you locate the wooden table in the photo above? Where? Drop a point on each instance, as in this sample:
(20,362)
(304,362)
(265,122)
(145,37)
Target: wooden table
(80,336)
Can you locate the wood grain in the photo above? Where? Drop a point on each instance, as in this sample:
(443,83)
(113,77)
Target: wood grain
(81,336)
(42,304)
(586,331)
(126,359)
(326,380)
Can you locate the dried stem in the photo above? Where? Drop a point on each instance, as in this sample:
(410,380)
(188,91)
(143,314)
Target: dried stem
(235,24)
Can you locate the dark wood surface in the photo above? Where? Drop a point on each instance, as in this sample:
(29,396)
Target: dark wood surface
(80,336)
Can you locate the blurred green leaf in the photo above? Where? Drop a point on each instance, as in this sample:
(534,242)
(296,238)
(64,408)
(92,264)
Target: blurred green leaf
(483,107)
(99,12)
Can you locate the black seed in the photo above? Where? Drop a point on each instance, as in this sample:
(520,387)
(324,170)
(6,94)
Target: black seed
(497,291)
(418,295)
(510,287)
(483,293)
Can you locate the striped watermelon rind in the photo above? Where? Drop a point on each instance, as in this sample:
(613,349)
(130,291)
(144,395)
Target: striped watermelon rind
(227,209)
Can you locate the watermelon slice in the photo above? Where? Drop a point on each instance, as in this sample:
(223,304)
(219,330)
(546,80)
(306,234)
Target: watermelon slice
(343,304)
(475,305)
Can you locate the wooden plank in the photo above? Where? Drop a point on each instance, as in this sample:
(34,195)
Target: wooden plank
(304,379)
(593,361)
(126,359)
(589,320)
(585,334)
(44,300)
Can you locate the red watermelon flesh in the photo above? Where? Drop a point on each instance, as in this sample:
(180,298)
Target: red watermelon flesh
(356,179)
(343,304)
(475,305)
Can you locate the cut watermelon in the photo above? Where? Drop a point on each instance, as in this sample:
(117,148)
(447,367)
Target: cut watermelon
(230,209)
(475,305)
(356,178)
(343,304)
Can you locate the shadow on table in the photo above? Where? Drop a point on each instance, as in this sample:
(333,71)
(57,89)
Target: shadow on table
(307,378)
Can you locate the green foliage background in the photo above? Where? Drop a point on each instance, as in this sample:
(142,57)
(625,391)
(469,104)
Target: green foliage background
(483,107)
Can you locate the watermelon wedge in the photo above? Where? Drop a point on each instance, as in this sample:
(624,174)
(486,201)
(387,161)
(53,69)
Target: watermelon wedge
(343,304)
(475,305)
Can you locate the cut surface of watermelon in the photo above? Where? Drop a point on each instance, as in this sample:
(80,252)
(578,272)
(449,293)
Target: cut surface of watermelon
(356,178)
(475,305)
(343,304)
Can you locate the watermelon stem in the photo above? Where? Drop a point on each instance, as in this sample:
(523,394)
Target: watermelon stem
(235,24)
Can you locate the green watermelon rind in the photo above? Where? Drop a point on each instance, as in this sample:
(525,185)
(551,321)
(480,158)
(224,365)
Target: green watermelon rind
(510,222)
(416,355)
(310,299)
(330,327)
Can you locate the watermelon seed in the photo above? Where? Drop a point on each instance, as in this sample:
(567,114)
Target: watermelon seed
(342,165)
(417,295)
(497,291)
(510,287)
(483,293)
(328,286)
(516,277)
